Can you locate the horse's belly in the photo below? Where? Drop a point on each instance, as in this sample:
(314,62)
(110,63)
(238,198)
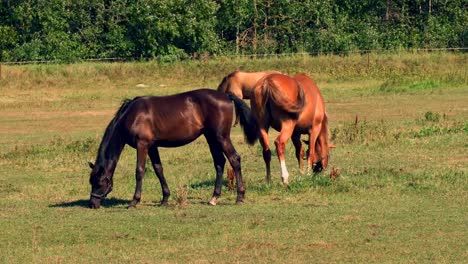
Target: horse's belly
(176,138)
(173,143)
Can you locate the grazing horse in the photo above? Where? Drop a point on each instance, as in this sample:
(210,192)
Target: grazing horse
(146,123)
(241,84)
(293,106)
(319,156)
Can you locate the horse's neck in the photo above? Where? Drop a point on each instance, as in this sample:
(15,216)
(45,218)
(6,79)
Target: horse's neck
(110,152)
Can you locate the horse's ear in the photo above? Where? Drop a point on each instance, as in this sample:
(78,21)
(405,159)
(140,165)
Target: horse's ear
(91,165)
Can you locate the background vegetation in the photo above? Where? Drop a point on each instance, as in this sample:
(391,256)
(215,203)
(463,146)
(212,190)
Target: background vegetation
(399,121)
(173,29)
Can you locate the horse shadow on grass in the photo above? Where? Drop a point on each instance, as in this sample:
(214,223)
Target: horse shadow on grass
(114,202)
(206,184)
(108,202)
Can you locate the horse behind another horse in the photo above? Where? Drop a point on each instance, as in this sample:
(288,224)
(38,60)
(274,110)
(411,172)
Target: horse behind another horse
(241,84)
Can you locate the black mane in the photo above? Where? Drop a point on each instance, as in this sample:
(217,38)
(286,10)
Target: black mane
(101,156)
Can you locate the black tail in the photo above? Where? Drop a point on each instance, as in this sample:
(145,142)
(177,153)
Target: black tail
(247,120)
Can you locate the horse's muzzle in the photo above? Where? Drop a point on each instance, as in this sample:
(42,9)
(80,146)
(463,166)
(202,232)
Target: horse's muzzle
(94,202)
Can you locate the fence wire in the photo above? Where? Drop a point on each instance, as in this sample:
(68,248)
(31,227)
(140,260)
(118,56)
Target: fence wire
(206,56)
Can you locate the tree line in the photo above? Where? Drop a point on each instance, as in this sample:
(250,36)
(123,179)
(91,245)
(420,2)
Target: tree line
(70,30)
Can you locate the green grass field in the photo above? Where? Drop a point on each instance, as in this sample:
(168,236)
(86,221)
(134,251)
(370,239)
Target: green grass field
(401,195)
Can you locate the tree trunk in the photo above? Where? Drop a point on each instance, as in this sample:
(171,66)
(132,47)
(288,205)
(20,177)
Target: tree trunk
(387,13)
(254,38)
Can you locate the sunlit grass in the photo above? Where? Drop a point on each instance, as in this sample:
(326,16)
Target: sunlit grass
(399,122)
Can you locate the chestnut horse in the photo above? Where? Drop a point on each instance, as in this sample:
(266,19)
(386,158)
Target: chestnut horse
(146,123)
(293,106)
(241,84)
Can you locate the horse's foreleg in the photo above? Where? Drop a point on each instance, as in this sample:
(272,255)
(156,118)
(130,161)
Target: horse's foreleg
(219,162)
(142,154)
(324,149)
(296,139)
(280,142)
(158,169)
(235,161)
(313,153)
(266,152)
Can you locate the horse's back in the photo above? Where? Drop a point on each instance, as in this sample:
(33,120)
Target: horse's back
(314,109)
(308,83)
(276,99)
(249,79)
(285,86)
(241,83)
(177,119)
(310,89)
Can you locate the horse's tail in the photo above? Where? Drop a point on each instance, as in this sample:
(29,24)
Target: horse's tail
(269,90)
(247,120)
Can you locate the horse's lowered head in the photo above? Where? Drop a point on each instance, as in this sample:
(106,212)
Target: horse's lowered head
(101,185)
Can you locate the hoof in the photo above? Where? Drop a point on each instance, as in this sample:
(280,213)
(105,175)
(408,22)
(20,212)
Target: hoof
(131,207)
(212,201)
(239,202)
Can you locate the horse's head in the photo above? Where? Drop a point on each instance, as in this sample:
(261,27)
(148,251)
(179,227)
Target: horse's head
(101,185)
(321,164)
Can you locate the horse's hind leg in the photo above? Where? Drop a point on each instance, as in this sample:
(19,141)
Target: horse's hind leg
(142,154)
(157,166)
(266,152)
(235,161)
(219,162)
(280,142)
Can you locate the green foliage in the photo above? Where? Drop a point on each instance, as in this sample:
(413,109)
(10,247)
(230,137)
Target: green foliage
(363,132)
(176,29)
(432,117)
(401,86)
(438,130)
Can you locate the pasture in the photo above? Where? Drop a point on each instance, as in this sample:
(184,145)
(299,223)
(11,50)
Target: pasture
(399,121)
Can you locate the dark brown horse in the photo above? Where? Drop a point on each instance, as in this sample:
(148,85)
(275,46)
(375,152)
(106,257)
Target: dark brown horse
(146,123)
(293,106)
